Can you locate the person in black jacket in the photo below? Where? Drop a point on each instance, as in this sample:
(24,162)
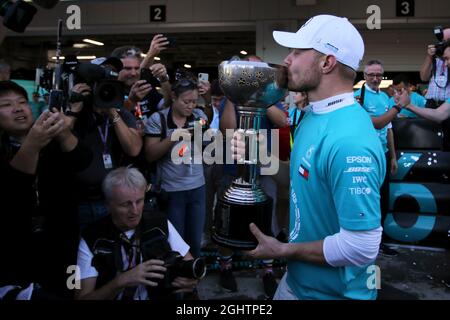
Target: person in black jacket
(37,161)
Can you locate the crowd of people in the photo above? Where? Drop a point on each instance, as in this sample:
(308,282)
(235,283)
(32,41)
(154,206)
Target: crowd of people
(77,184)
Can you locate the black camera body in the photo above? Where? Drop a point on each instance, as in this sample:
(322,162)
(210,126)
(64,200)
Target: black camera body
(442,44)
(155,245)
(16,15)
(107,91)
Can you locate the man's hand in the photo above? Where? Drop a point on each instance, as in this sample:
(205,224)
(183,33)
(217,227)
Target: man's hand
(158,44)
(402,98)
(431,50)
(46,127)
(139,90)
(142,273)
(238,145)
(159,71)
(394,166)
(268,247)
(203,87)
(184,284)
(79,89)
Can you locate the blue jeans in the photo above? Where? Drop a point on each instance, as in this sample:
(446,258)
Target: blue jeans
(186,211)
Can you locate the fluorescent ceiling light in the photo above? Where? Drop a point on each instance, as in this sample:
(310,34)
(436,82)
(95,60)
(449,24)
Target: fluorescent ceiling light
(80,45)
(188,66)
(243,52)
(97,43)
(78,57)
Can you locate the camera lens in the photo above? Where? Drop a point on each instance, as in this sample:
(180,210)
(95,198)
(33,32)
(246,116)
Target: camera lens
(198,268)
(107,93)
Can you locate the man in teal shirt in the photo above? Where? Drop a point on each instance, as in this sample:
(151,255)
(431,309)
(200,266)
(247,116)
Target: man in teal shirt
(377,104)
(337,167)
(401,82)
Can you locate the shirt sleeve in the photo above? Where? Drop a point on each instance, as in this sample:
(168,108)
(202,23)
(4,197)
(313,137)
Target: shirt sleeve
(128,118)
(176,242)
(352,248)
(153,126)
(84,261)
(356,173)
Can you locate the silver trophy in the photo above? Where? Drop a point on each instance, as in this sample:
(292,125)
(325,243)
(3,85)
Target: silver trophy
(252,87)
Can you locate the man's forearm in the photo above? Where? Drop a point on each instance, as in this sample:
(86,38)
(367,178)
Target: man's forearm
(391,144)
(108,292)
(68,142)
(383,120)
(436,115)
(426,68)
(307,251)
(130,140)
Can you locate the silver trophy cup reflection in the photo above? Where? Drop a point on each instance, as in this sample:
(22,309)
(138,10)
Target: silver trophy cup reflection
(252,87)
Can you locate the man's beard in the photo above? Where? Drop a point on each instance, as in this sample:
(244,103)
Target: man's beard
(308,84)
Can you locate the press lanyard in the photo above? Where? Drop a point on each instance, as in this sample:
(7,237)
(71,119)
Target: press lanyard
(104,136)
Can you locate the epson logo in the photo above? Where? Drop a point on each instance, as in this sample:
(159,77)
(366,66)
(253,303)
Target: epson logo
(359,159)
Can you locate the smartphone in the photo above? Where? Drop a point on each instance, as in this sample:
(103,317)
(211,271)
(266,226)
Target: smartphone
(203,77)
(172,42)
(147,75)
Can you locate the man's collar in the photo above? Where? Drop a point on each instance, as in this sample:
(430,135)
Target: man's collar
(370,89)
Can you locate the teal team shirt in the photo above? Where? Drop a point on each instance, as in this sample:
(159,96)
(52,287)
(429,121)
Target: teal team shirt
(337,168)
(416,100)
(376,104)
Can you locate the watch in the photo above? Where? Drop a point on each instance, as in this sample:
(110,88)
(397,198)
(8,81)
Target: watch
(397,108)
(70,113)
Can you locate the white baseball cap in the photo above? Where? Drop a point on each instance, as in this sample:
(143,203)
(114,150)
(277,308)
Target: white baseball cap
(329,35)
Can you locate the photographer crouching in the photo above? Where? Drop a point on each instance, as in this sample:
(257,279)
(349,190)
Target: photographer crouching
(121,255)
(100,120)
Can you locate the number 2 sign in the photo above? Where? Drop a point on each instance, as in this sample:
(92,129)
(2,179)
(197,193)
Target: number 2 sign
(158,13)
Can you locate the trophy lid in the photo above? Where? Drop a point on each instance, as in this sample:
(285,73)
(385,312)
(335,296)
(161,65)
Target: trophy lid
(253,84)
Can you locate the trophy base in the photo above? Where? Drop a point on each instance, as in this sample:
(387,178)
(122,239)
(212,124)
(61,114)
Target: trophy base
(233,217)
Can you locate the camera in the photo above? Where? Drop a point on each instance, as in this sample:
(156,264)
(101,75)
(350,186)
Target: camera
(442,44)
(107,91)
(155,245)
(18,15)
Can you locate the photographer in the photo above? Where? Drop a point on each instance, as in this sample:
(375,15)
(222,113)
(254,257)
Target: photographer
(139,90)
(184,183)
(37,164)
(436,72)
(440,114)
(102,278)
(111,134)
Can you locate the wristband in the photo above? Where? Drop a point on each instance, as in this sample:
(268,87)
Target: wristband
(398,108)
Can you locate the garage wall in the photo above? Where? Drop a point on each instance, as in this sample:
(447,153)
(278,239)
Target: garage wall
(400,44)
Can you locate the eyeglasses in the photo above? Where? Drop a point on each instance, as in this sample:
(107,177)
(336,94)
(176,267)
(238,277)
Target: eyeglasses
(373,75)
